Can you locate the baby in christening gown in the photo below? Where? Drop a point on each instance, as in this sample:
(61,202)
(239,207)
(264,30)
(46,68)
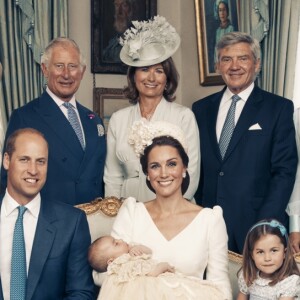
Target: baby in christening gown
(132,274)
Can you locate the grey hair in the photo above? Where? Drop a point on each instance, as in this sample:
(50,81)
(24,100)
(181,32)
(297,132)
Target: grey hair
(61,41)
(235,37)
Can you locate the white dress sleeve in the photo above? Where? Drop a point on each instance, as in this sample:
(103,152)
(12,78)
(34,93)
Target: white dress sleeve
(113,173)
(123,224)
(289,287)
(217,267)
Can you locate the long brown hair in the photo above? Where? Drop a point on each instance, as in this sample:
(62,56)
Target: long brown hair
(262,228)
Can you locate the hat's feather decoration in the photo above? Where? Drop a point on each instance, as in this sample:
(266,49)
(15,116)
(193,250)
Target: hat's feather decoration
(156,30)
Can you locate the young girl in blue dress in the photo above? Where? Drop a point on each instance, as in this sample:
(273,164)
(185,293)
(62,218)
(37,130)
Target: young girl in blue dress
(269,269)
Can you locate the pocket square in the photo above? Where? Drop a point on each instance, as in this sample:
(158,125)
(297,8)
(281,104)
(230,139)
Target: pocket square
(255,127)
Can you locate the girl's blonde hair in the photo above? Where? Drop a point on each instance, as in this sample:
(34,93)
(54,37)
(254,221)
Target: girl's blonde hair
(262,228)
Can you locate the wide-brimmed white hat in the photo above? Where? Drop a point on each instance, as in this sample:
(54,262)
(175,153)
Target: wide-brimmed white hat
(149,42)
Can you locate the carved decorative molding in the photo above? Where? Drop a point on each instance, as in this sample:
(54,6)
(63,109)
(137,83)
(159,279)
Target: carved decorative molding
(109,206)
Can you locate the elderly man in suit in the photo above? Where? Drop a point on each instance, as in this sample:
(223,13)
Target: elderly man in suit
(44,244)
(75,135)
(248,147)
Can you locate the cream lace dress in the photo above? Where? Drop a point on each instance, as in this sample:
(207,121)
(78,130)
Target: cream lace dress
(127,279)
(260,289)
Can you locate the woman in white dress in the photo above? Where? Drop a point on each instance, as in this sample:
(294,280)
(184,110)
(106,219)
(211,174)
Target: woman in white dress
(152,82)
(190,238)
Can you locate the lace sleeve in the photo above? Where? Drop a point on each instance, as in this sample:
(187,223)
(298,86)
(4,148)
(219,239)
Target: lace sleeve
(242,284)
(289,287)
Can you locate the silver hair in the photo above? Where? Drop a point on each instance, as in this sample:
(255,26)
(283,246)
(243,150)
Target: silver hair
(235,37)
(61,41)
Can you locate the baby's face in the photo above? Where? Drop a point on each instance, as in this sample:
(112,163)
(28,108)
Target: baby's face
(116,248)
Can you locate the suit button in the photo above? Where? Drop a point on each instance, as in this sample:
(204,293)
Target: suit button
(221,173)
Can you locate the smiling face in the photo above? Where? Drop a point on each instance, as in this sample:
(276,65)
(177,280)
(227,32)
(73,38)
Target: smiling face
(63,71)
(268,254)
(237,66)
(150,81)
(26,167)
(165,170)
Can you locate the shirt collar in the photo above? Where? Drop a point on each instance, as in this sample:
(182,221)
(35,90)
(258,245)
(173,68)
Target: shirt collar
(244,94)
(58,101)
(9,204)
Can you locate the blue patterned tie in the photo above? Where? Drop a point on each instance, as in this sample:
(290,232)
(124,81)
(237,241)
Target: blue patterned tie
(74,121)
(18,260)
(228,127)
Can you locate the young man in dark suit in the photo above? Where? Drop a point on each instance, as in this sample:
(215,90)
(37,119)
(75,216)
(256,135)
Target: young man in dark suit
(55,235)
(247,137)
(75,135)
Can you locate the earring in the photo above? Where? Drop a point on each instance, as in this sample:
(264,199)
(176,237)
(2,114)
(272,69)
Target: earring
(184,175)
(166,87)
(148,178)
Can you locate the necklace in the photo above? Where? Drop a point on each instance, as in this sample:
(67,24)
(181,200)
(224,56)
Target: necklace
(148,115)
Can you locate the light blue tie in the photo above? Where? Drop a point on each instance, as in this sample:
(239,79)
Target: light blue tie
(74,121)
(228,126)
(18,260)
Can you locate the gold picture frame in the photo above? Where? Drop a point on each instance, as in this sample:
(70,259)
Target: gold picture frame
(106,101)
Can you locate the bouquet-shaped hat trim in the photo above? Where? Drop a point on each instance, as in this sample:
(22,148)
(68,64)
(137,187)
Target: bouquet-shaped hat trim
(149,42)
(143,132)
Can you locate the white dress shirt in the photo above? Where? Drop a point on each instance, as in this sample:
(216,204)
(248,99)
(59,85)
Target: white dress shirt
(293,208)
(64,110)
(8,217)
(225,104)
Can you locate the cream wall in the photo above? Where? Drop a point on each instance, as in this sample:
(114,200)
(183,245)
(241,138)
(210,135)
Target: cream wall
(181,14)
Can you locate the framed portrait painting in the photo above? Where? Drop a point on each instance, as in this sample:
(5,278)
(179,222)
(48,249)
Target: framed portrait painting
(214,18)
(106,101)
(110,19)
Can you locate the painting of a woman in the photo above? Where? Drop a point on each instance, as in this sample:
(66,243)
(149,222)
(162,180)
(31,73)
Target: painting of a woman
(223,17)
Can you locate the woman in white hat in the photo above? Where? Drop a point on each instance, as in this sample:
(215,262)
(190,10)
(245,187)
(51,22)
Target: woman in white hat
(152,82)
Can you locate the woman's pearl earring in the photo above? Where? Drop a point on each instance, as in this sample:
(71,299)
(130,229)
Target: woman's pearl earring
(184,175)
(148,178)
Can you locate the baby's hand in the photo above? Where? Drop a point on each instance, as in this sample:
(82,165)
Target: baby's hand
(139,250)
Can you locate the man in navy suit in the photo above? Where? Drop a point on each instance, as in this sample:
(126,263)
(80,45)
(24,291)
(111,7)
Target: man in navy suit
(75,173)
(56,234)
(255,177)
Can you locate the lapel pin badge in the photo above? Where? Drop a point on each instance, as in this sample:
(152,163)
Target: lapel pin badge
(100,129)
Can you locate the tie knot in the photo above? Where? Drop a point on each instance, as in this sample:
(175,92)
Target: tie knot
(22,210)
(68,105)
(236,98)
